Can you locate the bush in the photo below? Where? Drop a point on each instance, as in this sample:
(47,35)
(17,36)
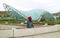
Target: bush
(10,20)
(51,22)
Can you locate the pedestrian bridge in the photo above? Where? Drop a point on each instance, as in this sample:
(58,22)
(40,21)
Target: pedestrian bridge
(42,32)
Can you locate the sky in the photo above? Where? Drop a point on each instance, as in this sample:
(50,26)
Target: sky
(51,6)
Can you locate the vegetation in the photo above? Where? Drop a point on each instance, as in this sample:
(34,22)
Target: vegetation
(10,20)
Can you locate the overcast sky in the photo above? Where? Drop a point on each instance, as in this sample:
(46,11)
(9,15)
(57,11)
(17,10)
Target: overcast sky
(25,5)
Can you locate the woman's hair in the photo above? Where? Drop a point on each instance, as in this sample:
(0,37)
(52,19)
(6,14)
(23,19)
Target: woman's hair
(30,18)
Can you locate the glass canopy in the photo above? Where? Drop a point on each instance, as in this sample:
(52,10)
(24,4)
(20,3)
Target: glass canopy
(36,14)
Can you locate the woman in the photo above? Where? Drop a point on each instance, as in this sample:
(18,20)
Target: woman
(29,22)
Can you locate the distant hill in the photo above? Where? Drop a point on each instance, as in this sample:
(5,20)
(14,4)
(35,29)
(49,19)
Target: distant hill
(57,14)
(4,14)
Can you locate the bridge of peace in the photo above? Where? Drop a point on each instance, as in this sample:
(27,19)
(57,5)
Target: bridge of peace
(21,31)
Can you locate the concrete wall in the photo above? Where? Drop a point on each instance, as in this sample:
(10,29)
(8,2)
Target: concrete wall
(6,33)
(42,32)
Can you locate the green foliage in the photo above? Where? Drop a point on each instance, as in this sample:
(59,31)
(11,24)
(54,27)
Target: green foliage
(35,22)
(52,22)
(58,22)
(10,20)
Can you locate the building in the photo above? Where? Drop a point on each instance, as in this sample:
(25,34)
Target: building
(57,15)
